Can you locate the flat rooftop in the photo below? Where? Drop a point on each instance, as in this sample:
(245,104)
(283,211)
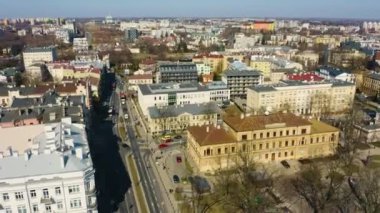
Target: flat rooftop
(163,88)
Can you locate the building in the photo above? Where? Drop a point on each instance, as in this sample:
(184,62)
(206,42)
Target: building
(264,66)
(203,69)
(347,58)
(260,25)
(263,138)
(307,58)
(135,80)
(38,55)
(131,34)
(371,83)
(333,73)
(80,44)
(243,42)
(304,76)
(165,94)
(48,168)
(239,80)
(214,60)
(177,118)
(176,72)
(300,97)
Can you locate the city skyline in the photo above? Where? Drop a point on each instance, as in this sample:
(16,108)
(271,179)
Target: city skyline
(169,8)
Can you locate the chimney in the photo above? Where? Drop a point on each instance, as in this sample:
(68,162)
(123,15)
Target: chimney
(207,128)
(63,161)
(27,155)
(79,153)
(9,151)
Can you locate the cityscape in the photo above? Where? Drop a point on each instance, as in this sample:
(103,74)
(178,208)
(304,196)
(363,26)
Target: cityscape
(204,113)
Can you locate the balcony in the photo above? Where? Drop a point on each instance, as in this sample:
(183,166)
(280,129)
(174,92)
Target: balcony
(90,192)
(47,200)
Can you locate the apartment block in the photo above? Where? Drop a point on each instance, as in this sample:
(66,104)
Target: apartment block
(48,168)
(239,80)
(262,138)
(38,55)
(159,95)
(176,72)
(215,61)
(301,97)
(371,83)
(179,117)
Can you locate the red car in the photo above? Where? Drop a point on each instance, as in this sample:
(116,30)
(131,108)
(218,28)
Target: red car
(167,140)
(163,145)
(179,159)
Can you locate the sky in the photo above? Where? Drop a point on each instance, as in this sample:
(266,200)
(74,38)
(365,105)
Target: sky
(362,9)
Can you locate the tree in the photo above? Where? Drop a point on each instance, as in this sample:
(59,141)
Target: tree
(321,192)
(45,74)
(19,79)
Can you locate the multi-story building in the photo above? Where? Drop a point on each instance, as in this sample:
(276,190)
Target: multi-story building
(315,98)
(307,58)
(131,34)
(333,73)
(260,25)
(47,168)
(267,63)
(80,44)
(262,138)
(239,80)
(243,42)
(214,60)
(38,55)
(263,66)
(346,58)
(203,69)
(177,118)
(176,72)
(150,95)
(371,83)
(135,80)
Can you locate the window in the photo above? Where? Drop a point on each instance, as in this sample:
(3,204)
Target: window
(208,152)
(311,140)
(274,134)
(294,131)
(266,156)
(261,135)
(287,132)
(280,133)
(21,209)
(267,146)
(45,193)
(274,145)
(244,147)
(59,205)
(244,137)
(332,137)
(48,208)
(75,188)
(33,193)
(219,151)
(286,143)
(291,153)
(292,142)
(303,131)
(268,134)
(279,154)
(261,147)
(317,139)
(280,144)
(253,147)
(254,136)
(35,208)
(225,150)
(19,195)
(8,210)
(323,138)
(57,190)
(5,196)
(75,203)
(286,154)
(232,149)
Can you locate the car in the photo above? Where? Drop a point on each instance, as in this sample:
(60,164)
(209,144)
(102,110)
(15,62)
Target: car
(178,137)
(124,145)
(175,179)
(168,140)
(285,164)
(125,116)
(179,159)
(163,145)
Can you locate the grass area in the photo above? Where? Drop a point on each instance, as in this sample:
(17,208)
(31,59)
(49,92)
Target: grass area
(178,196)
(188,167)
(362,146)
(122,133)
(135,180)
(351,169)
(375,157)
(377,144)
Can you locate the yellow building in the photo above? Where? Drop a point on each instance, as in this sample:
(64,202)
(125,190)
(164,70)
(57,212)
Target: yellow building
(215,61)
(371,84)
(179,118)
(265,138)
(262,65)
(327,40)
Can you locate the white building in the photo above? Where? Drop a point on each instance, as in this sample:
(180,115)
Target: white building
(48,168)
(21,32)
(332,73)
(63,35)
(243,42)
(298,97)
(203,69)
(178,94)
(80,44)
(38,55)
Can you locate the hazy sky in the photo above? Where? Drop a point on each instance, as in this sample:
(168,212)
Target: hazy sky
(191,8)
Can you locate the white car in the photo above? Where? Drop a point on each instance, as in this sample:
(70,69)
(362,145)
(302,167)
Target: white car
(125,116)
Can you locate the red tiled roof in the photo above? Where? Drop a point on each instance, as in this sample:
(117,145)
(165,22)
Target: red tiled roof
(212,137)
(143,76)
(304,77)
(148,61)
(377,55)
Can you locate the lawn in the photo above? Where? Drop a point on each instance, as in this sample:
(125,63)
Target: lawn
(135,180)
(362,146)
(122,133)
(377,144)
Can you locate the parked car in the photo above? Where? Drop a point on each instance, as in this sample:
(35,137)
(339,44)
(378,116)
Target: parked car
(163,145)
(285,164)
(179,159)
(178,137)
(175,179)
